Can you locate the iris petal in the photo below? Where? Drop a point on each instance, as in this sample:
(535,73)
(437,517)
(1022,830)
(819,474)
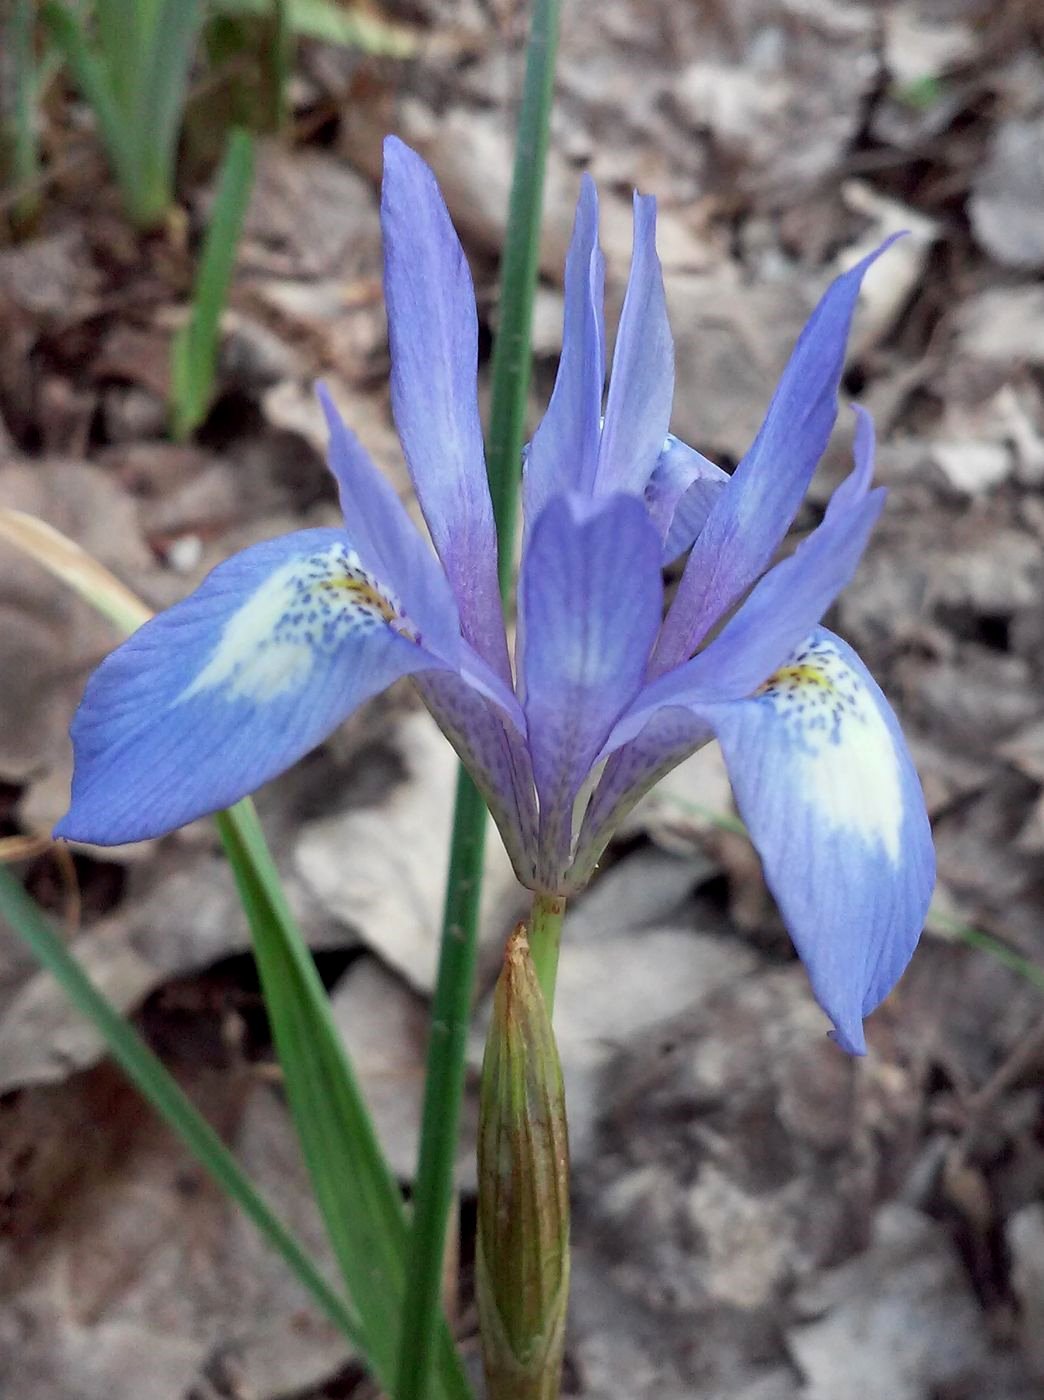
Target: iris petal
(782,608)
(591,596)
(641,386)
(433,333)
(825,783)
(386,540)
(494,753)
(229,687)
(564,451)
(680,495)
(754,512)
(666,721)
(667,739)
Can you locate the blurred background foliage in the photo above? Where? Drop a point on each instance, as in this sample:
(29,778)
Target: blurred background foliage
(173,86)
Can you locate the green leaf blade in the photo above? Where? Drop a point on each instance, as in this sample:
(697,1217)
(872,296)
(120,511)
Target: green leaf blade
(92,78)
(194,350)
(166,1096)
(160,98)
(357,1195)
(21,158)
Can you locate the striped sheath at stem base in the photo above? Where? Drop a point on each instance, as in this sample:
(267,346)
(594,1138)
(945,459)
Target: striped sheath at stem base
(522,1266)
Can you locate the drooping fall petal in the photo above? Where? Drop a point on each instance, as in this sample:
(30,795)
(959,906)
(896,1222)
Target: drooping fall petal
(224,690)
(827,788)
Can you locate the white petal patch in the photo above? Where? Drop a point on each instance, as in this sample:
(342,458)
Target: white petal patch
(843,759)
(302,613)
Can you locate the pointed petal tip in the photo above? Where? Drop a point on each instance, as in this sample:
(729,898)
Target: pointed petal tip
(644,205)
(433,339)
(863,447)
(644,216)
(849,1036)
(330,410)
(394,148)
(564,449)
(73,828)
(585,221)
(337,428)
(641,385)
(858,269)
(94,821)
(893,238)
(406,169)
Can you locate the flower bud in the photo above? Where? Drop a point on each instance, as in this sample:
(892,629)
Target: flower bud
(522,1260)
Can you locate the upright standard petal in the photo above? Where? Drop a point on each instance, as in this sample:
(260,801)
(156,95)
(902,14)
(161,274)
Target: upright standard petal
(591,595)
(692,512)
(433,333)
(641,386)
(754,512)
(825,783)
(386,540)
(221,692)
(680,495)
(786,604)
(564,450)
(783,608)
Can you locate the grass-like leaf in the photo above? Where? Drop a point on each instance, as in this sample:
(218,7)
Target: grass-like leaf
(357,1195)
(75,567)
(160,106)
(92,78)
(453,990)
(443,1092)
(134,75)
(160,1088)
(21,157)
(351,26)
(194,350)
(123,28)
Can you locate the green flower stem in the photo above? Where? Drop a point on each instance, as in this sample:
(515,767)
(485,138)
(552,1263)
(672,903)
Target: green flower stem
(443,1091)
(518,278)
(433,1188)
(545,935)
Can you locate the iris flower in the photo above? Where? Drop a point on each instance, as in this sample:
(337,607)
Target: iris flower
(607,691)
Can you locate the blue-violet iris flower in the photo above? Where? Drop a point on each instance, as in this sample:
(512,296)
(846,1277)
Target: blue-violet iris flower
(608,692)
